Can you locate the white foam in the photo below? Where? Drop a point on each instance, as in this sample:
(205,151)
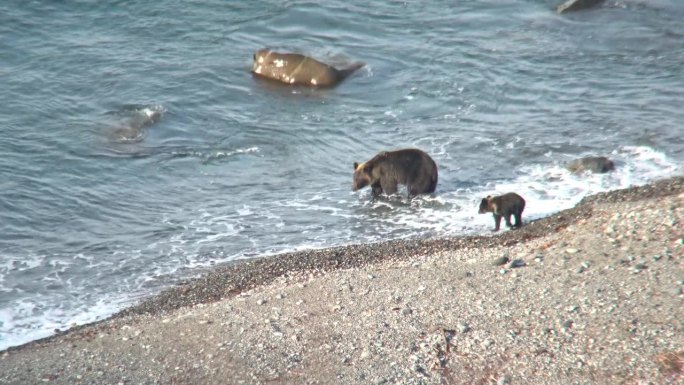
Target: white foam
(30,320)
(546,189)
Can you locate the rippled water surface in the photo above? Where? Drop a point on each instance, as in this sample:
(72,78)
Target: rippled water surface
(501,93)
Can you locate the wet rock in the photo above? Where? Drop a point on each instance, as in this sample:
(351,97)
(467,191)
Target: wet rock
(501,261)
(595,164)
(516,263)
(576,5)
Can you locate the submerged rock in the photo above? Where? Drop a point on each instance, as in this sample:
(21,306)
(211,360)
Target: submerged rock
(595,164)
(576,5)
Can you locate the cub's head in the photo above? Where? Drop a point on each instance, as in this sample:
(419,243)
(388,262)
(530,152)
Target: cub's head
(362,176)
(485,205)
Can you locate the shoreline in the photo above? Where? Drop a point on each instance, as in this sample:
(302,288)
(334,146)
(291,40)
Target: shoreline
(232,285)
(230,279)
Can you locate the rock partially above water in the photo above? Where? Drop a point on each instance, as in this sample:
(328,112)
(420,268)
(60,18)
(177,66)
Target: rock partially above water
(595,164)
(576,5)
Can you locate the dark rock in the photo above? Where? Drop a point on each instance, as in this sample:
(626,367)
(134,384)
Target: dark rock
(576,5)
(595,164)
(517,263)
(501,261)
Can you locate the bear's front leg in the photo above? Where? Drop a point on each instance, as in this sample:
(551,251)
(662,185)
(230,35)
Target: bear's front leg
(497,222)
(376,189)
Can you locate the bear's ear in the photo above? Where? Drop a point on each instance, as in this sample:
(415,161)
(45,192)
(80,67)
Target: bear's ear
(356,165)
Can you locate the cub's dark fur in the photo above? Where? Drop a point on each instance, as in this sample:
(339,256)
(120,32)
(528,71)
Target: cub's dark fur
(504,206)
(411,167)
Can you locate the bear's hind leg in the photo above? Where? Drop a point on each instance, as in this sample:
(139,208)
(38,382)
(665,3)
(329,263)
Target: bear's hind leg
(508,220)
(518,219)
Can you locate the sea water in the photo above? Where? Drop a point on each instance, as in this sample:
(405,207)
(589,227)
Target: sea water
(501,93)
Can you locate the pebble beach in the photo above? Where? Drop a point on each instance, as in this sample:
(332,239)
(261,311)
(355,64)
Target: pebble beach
(590,295)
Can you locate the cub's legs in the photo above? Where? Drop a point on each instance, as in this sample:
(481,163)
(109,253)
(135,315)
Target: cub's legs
(508,220)
(518,219)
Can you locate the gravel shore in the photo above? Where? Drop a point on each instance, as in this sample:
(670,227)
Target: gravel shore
(591,295)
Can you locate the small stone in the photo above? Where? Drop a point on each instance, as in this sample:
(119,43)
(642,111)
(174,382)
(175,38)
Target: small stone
(516,263)
(656,258)
(567,324)
(260,302)
(406,311)
(502,271)
(487,343)
(500,261)
(580,270)
(463,327)
(380,381)
(504,380)
(678,291)
(571,251)
(638,267)
(572,308)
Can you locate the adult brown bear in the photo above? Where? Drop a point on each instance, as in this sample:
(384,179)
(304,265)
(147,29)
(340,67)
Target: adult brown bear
(410,167)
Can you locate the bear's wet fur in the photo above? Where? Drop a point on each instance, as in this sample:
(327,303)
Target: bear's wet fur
(504,206)
(384,172)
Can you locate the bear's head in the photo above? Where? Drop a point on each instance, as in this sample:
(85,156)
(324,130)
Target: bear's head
(362,176)
(485,205)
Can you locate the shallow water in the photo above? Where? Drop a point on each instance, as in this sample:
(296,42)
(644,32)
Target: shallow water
(501,93)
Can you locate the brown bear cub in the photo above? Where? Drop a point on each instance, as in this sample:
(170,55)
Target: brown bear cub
(411,167)
(504,206)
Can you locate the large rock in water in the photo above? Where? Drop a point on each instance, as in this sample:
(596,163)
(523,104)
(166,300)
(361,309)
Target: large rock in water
(576,5)
(595,164)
